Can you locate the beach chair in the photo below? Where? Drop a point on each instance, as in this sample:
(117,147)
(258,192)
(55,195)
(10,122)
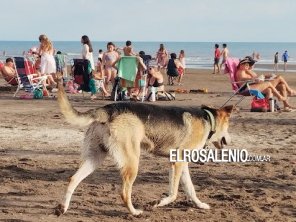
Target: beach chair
(82,73)
(240,89)
(127,68)
(27,78)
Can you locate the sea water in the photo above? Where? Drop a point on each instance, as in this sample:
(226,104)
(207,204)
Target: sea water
(198,54)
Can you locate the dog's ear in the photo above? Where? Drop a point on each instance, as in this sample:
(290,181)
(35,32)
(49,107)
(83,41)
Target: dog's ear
(227,109)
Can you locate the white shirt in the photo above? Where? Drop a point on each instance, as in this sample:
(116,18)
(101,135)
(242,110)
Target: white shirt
(86,54)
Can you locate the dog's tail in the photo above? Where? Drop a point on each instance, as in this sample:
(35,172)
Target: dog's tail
(72,115)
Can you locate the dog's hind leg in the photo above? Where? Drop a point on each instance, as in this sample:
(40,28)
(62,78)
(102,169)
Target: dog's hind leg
(189,188)
(129,173)
(86,168)
(174,177)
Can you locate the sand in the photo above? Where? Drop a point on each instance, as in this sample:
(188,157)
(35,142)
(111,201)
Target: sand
(40,151)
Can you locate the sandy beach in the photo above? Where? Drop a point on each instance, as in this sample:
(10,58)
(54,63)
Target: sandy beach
(39,151)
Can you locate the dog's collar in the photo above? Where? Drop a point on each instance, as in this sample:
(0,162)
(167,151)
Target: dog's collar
(212,121)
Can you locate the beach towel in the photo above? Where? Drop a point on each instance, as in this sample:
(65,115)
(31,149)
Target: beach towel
(127,68)
(230,69)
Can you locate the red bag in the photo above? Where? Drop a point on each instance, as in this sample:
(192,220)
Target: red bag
(259,105)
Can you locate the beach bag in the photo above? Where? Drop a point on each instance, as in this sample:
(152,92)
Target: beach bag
(259,105)
(38,93)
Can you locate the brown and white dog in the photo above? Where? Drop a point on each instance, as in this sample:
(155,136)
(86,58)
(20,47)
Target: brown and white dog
(122,129)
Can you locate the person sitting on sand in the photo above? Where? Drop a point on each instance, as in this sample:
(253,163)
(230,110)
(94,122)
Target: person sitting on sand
(9,73)
(276,85)
(96,84)
(156,79)
(172,68)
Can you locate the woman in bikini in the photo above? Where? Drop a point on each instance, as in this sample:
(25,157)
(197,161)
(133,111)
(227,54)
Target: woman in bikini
(161,56)
(108,61)
(156,79)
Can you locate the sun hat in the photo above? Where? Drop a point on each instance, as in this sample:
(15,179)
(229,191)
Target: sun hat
(247,59)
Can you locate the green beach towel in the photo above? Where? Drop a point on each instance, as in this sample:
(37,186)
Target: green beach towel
(127,68)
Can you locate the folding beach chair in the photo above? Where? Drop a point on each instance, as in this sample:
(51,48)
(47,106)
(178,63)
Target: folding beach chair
(26,76)
(82,73)
(239,88)
(127,68)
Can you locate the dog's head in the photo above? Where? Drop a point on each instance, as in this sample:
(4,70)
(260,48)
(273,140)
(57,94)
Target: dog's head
(221,136)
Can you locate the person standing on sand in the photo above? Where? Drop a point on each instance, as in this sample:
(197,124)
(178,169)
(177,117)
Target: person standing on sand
(276,61)
(87,51)
(285,58)
(47,63)
(110,57)
(183,67)
(225,54)
(161,57)
(217,55)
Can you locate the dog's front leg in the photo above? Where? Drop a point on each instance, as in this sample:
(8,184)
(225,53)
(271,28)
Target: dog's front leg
(189,188)
(174,179)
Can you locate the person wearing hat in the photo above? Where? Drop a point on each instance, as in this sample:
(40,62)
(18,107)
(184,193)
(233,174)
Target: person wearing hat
(275,85)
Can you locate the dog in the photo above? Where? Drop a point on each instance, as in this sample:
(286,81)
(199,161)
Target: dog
(123,129)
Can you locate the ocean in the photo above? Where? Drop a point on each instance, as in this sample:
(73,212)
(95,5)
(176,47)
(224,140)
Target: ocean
(198,54)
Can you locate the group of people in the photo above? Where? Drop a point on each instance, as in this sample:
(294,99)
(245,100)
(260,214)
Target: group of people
(285,57)
(217,55)
(44,62)
(174,67)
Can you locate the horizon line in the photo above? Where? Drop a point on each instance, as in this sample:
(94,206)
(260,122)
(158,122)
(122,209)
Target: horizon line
(154,41)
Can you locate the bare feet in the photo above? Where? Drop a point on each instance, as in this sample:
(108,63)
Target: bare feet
(292,92)
(93,97)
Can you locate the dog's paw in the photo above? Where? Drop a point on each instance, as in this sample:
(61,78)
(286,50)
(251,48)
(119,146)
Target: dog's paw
(203,206)
(137,212)
(59,210)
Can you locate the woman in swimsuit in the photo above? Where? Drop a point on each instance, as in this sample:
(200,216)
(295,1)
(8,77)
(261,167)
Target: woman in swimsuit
(161,56)
(156,79)
(108,61)
(276,86)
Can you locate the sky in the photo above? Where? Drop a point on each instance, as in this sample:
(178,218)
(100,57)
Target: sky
(150,20)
